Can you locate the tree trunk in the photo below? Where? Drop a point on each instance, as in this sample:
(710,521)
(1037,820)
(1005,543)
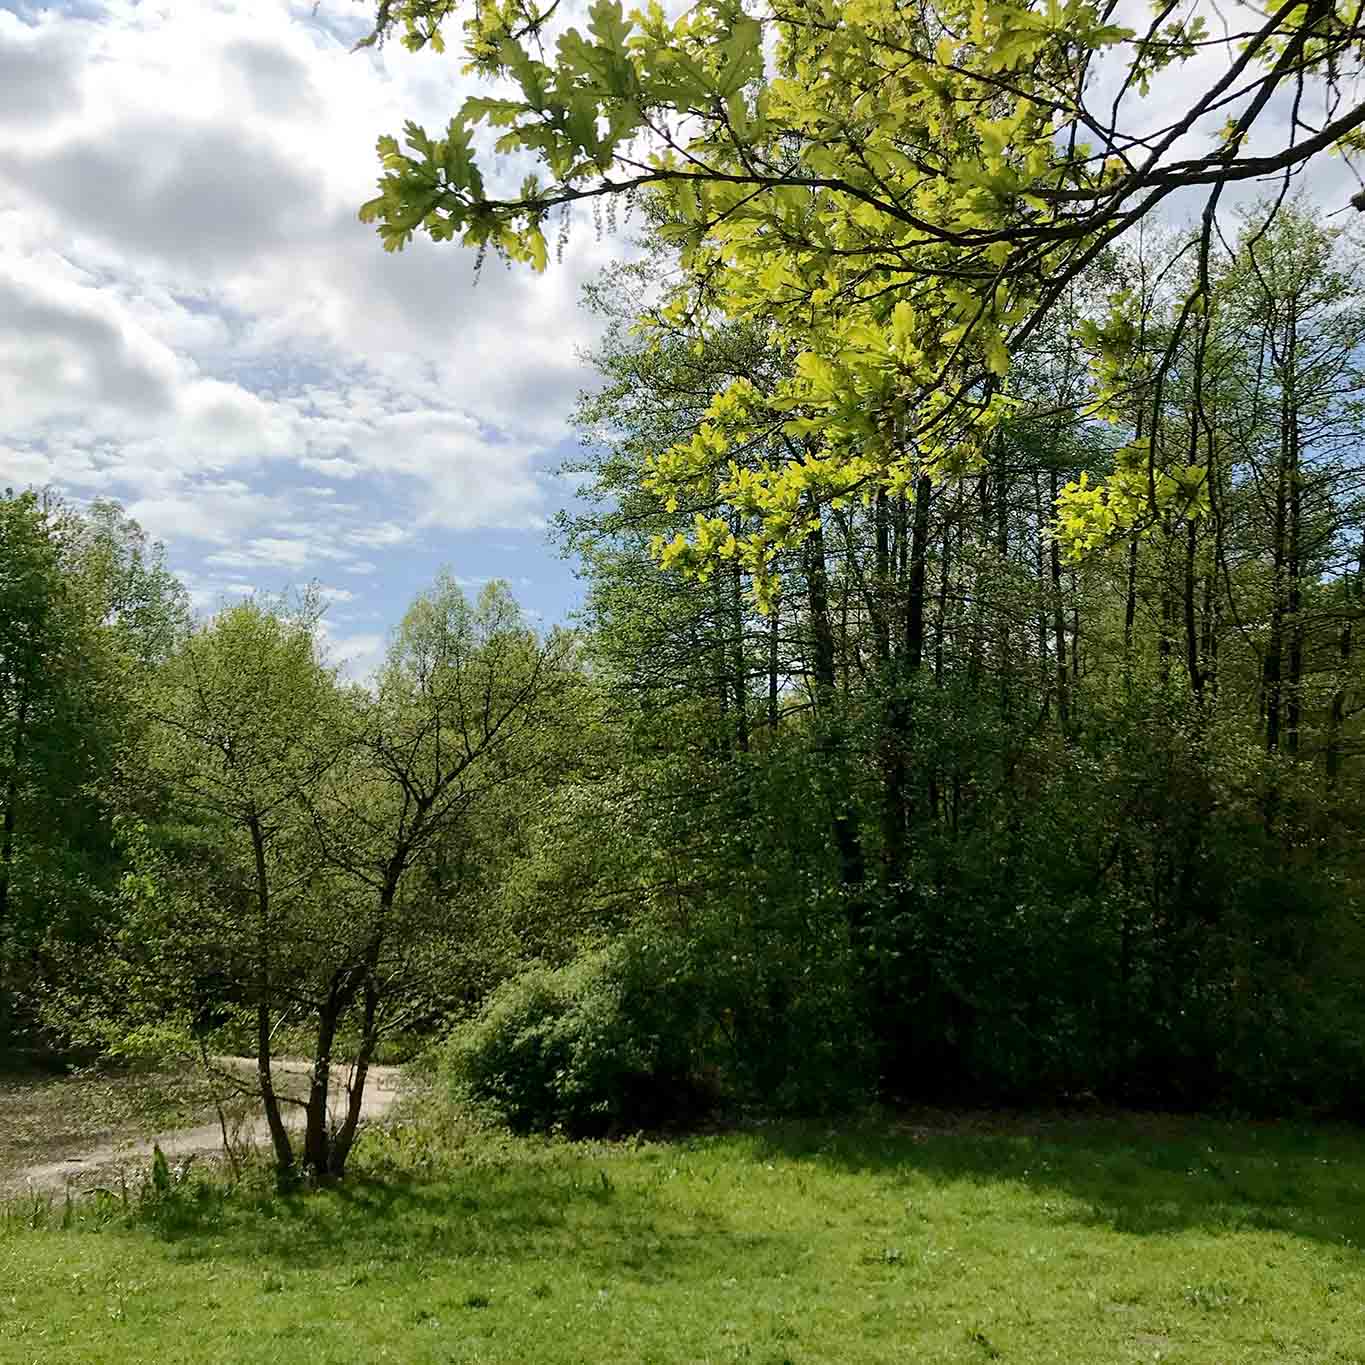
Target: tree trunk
(893,736)
(847,844)
(844,652)
(1192,662)
(1002,551)
(7,844)
(1293,554)
(1130,597)
(741,679)
(721,656)
(1040,578)
(1167,635)
(976,640)
(881,594)
(315,1153)
(1059,622)
(1336,718)
(941,609)
(1337,714)
(1272,676)
(914,595)
(279,1137)
(772,669)
(11,816)
(1075,632)
(1130,612)
(317,1156)
(1208,643)
(345,1137)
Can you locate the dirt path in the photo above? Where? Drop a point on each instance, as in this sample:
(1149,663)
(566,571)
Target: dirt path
(98,1161)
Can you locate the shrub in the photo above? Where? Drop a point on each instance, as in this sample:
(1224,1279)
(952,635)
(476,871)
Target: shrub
(660,1027)
(590,1047)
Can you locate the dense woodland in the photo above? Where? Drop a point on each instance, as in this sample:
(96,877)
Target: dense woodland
(969,699)
(977,806)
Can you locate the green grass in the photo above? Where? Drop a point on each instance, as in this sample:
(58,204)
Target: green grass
(947,1239)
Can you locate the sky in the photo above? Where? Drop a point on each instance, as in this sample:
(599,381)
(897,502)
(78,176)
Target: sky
(194,322)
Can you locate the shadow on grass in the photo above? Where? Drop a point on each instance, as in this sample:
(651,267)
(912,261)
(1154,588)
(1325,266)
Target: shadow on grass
(572,1212)
(1136,1175)
(1139,1174)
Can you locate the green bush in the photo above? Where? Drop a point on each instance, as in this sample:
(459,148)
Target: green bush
(585,1048)
(659,1027)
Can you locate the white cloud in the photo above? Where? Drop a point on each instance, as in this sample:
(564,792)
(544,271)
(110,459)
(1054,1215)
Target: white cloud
(38,72)
(191,315)
(359,654)
(20,466)
(376,537)
(218,512)
(67,347)
(275,552)
(331,466)
(208,592)
(473,479)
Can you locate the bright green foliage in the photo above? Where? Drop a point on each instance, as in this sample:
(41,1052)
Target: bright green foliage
(473,718)
(131,591)
(901,194)
(245,717)
(327,847)
(231,912)
(608,1041)
(36,673)
(1095,516)
(87,608)
(1285,269)
(248,722)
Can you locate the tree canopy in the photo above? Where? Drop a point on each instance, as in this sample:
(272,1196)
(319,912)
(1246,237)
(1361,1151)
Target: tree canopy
(901,192)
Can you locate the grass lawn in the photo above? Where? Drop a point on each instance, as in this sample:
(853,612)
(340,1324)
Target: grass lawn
(934,1239)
